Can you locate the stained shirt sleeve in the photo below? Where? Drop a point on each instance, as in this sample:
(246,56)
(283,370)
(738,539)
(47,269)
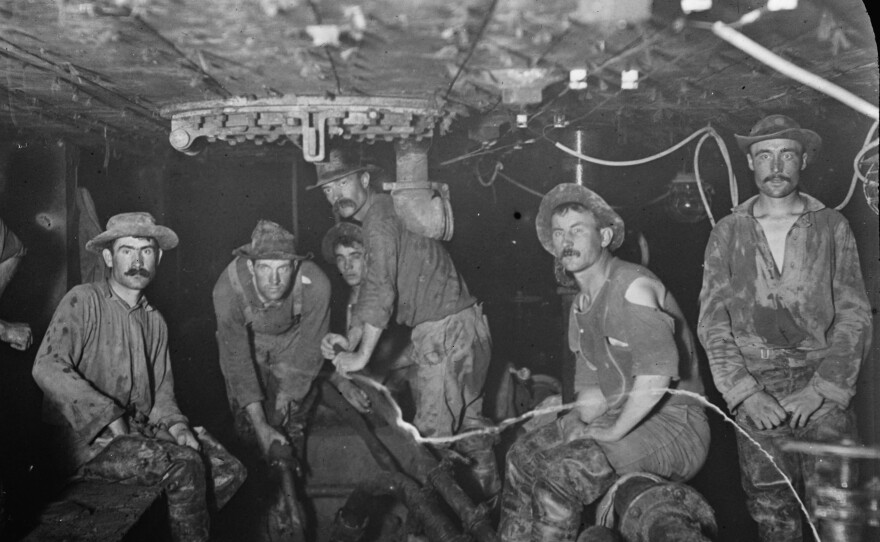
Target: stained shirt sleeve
(376,300)
(242,382)
(728,366)
(165,410)
(849,336)
(55,370)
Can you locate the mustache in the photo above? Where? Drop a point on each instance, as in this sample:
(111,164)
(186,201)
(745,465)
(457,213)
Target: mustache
(138,271)
(344,202)
(777,177)
(569,252)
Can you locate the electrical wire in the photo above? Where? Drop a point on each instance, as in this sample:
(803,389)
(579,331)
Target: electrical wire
(857,173)
(793,71)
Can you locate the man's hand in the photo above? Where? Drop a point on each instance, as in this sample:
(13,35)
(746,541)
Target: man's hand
(329,344)
(802,404)
(184,437)
(349,362)
(764,410)
(266,435)
(572,427)
(118,427)
(603,430)
(357,397)
(18,335)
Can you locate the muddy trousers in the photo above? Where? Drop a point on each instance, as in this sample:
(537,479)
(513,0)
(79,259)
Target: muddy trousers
(548,483)
(181,471)
(769,500)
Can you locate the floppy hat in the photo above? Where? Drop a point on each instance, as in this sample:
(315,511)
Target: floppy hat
(780,127)
(575,193)
(340,163)
(269,241)
(343,229)
(138,224)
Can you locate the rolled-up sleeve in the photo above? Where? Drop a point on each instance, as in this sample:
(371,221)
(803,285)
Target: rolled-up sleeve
(728,366)
(849,337)
(378,292)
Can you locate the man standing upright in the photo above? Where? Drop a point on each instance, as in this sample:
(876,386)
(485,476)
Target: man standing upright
(784,318)
(414,276)
(108,388)
(631,344)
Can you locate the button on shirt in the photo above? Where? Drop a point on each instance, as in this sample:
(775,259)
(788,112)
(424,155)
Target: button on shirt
(817,304)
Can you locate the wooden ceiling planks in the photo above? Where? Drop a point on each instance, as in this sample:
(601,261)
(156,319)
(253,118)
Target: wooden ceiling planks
(114,64)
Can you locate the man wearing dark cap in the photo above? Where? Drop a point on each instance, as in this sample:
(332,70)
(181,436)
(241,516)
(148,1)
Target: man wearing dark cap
(414,276)
(784,318)
(631,344)
(272,308)
(108,388)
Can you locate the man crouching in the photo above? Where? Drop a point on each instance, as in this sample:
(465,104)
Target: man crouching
(108,389)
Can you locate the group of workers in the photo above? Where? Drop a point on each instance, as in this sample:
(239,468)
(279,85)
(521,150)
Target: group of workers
(784,320)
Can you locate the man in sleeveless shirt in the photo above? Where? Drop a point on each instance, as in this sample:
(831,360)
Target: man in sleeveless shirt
(784,318)
(632,345)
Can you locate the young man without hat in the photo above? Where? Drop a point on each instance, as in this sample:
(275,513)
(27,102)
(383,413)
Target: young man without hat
(784,319)
(108,387)
(414,276)
(631,343)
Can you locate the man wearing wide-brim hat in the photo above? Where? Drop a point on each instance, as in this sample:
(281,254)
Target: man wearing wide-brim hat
(784,319)
(631,343)
(272,308)
(108,388)
(413,277)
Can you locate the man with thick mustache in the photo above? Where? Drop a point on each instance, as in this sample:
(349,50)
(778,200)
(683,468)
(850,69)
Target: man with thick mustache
(108,388)
(631,344)
(414,276)
(785,320)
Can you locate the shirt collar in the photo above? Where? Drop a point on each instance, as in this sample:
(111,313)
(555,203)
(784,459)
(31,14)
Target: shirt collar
(811,206)
(107,291)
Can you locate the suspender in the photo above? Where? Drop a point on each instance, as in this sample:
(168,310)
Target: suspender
(232,272)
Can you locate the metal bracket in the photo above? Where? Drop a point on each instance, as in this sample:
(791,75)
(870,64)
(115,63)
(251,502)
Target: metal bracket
(306,119)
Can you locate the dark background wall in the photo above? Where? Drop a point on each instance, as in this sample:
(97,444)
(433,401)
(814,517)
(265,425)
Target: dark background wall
(214,200)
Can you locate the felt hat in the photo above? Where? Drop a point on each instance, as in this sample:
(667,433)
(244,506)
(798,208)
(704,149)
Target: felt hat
(340,163)
(342,229)
(575,193)
(269,241)
(136,224)
(780,127)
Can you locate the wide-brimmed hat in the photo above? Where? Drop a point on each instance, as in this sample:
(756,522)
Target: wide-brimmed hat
(343,229)
(340,163)
(575,193)
(780,127)
(137,224)
(269,241)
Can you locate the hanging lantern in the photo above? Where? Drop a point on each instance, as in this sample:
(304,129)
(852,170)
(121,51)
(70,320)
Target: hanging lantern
(683,202)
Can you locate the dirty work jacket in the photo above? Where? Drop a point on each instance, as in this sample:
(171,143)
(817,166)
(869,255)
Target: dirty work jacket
(10,246)
(816,307)
(406,271)
(301,332)
(101,359)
